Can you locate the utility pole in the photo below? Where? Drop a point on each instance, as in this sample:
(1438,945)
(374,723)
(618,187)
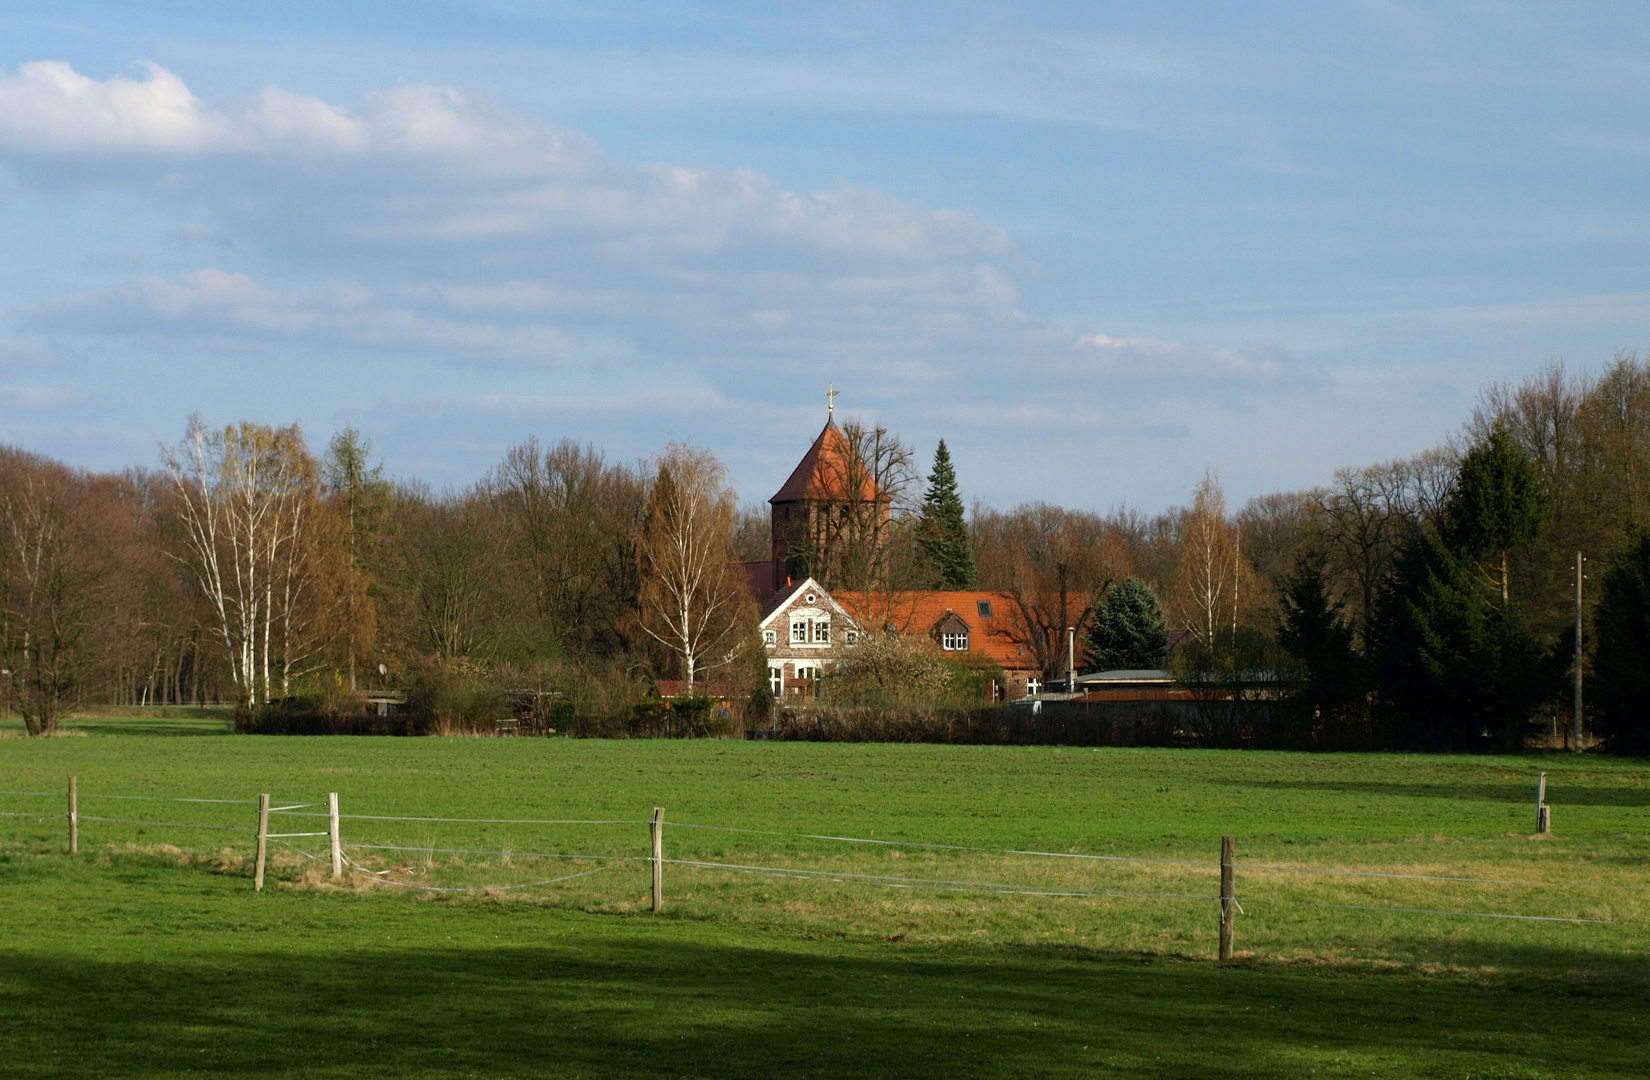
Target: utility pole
(1071,660)
(1576,725)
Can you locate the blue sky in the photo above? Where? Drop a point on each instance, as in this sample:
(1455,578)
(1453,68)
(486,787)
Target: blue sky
(1095,247)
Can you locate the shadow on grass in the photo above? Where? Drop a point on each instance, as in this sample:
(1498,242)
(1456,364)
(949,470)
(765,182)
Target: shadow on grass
(1560,791)
(623,1000)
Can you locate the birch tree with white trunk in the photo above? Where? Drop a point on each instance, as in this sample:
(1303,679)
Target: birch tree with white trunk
(1208,558)
(247,498)
(695,600)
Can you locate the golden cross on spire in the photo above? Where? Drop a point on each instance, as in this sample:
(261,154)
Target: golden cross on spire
(830,398)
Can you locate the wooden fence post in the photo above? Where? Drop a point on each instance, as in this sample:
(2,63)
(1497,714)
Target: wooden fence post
(1228,895)
(74,818)
(263,843)
(332,833)
(1543,817)
(658,829)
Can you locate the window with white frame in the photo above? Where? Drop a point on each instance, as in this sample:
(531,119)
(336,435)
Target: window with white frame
(851,637)
(822,631)
(776,679)
(810,672)
(1034,685)
(799,631)
(954,641)
(770,637)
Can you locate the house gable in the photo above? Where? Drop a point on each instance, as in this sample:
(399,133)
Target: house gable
(809,604)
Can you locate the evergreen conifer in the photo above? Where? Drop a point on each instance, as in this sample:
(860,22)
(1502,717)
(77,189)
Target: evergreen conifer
(1127,632)
(1620,685)
(943,531)
(1313,628)
(1455,657)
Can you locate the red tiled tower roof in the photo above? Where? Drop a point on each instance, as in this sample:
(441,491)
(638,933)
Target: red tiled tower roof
(824,473)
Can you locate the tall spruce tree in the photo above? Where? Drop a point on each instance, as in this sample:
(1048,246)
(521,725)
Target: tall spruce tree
(1127,632)
(1313,628)
(1500,503)
(1620,684)
(1454,656)
(943,532)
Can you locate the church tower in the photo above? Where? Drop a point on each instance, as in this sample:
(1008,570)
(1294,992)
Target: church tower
(830,503)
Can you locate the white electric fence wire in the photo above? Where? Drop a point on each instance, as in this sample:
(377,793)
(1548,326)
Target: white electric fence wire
(171,798)
(299,850)
(996,888)
(888,881)
(475,820)
(476,851)
(938,847)
(1132,859)
(1437,877)
(167,824)
(892,881)
(284,835)
(1436,911)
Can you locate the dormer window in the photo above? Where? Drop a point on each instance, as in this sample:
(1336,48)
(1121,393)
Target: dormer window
(952,633)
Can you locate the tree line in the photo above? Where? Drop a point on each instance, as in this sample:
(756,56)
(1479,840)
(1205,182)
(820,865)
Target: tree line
(1425,602)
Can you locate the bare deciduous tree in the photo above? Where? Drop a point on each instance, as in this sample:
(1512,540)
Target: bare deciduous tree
(249,503)
(452,559)
(1055,564)
(1208,559)
(57,580)
(695,601)
(571,519)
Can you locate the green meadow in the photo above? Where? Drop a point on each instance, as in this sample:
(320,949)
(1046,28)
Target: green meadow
(513,947)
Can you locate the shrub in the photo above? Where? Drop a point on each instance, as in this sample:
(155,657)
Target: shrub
(454,698)
(891,670)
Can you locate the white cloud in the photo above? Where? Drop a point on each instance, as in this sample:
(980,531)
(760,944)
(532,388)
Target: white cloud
(1219,370)
(48,107)
(215,304)
(428,220)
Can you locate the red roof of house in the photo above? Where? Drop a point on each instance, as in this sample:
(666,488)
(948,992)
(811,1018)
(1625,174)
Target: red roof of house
(919,613)
(823,472)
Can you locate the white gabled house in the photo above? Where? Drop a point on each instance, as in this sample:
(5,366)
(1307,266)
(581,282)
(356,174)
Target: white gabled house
(804,632)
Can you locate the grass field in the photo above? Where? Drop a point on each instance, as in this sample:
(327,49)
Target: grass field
(149,954)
